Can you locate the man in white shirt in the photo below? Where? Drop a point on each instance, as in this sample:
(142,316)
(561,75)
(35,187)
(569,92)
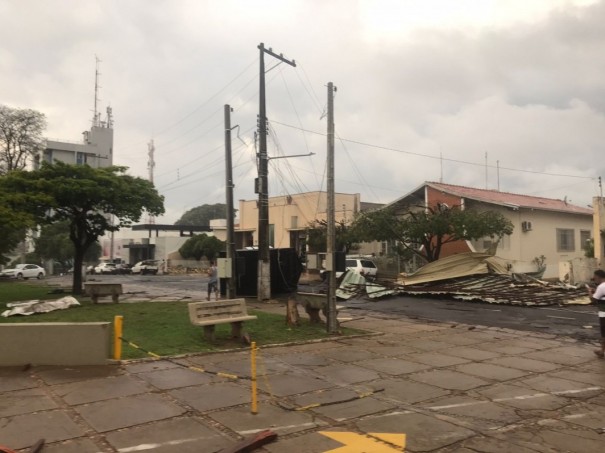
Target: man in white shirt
(597,297)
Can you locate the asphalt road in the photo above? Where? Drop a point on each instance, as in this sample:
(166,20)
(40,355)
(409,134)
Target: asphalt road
(577,321)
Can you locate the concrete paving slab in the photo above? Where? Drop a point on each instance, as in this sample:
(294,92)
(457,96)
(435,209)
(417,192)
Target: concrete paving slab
(428,345)
(597,379)
(553,356)
(305,359)
(23,431)
(24,402)
(279,420)
(490,371)
(462,339)
(447,379)
(525,364)
(504,349)
(481,444)
(489,415)
(423,433)
(72,446)
(586,415)
(129,411)
(436,359)
(407,392)
(337,394)
(179,435)
(562,387)
(62,375)
(210,397)
(523,397)
(99,389)
(306,443)
(151,365)
(346,374)
(472,353)
(391,351)
(173,378)
(354,409)
(393,366)
(577,350)
(264,365)
(291,384)
(559,440)
(14,378)
(349,355)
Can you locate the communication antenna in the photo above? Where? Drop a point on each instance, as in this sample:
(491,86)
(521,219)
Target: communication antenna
(151,166)
(96,119)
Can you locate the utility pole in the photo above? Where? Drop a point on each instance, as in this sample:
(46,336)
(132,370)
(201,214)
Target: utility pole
(262,185)
(229,191)
(151,168)
(332,325)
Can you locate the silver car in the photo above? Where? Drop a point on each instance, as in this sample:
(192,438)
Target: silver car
(24,271)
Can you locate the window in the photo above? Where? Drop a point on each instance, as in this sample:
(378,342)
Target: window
(294,221)
(584,237)
(565,240)
(272,235)
(80,158)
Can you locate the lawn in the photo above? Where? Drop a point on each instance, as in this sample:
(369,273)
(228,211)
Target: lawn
(160,327)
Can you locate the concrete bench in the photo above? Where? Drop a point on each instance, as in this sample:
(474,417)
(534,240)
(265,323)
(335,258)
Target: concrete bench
(96,290)
(209,314)
(313,303)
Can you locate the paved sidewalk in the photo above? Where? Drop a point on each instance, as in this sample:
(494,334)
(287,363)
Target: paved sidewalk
(449,388)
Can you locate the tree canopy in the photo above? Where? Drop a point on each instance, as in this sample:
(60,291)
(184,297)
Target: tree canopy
(93,201)
(201,245)
(20,137)
(425,231)
(346,239)
(53,243)
(202,215)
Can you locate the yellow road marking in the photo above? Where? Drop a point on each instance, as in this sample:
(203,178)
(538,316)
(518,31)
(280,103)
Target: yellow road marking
(358,443)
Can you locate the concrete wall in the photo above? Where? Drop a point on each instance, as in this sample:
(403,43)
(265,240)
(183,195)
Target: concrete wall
(598,204)
(55,343)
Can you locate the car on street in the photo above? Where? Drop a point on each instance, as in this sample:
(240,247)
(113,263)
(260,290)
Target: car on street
(105,268)
(362,266)
(145,267)
(123,268)
(24,271)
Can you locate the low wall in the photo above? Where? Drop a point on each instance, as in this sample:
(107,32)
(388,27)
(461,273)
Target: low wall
(55,343)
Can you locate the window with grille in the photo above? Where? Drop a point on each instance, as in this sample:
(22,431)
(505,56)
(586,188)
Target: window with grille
(565,240)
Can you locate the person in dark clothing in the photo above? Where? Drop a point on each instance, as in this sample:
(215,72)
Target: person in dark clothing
(213,282)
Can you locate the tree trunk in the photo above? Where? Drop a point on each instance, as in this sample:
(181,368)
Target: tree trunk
(78,261)
(292,316)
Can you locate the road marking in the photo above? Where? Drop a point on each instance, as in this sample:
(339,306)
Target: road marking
(371,442)
(143,447)
(277,428)
(560,317)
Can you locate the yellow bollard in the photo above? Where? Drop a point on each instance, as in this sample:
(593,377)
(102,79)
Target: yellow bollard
(117,337)
(253,377)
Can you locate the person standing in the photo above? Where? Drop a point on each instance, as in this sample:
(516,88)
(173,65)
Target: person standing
(213,282)
(597,297)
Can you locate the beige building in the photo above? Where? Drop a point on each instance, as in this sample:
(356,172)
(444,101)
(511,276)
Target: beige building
(545,227)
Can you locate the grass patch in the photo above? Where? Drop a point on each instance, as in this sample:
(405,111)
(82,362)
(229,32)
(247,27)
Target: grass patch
(162,327)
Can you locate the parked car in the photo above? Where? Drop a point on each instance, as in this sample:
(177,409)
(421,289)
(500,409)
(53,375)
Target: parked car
(145,267)
(24,271)
(363,266)
(123,268)
(105,268)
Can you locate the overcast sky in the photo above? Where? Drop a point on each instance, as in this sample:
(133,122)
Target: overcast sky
(417,80)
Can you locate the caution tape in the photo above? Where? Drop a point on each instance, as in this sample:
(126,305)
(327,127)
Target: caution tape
(190,367)
(329,403)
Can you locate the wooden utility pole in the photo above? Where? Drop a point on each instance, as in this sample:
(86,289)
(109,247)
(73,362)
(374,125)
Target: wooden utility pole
(262,184)
(229,191)
(332,325)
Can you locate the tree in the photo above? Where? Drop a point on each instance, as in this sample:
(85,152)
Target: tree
(53,243)
(201,245)
(20,137)
(425,231)
(93,201)
(202,215)
(318,232)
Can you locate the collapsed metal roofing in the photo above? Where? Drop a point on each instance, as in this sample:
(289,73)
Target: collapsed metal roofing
(472,277)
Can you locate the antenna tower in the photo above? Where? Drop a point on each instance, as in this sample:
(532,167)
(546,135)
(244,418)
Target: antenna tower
(150,167)
(96,119)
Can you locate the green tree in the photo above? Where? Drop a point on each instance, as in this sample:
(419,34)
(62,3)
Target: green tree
(202,215)
(201,245)
(425,231)
(53,243)
(20,137)
(93,201)
(317,232)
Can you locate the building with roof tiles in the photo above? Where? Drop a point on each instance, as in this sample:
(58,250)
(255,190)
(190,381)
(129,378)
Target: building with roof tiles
(547,227)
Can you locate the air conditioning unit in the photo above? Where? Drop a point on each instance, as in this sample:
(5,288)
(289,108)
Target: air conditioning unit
(526,225)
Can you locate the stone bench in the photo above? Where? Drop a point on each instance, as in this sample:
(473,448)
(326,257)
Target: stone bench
(96,290)
(228,311)
(313,303)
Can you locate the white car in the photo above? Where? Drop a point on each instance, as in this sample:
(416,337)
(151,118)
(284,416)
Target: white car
(106,268)
(363,266)
(145,267)
(24,271)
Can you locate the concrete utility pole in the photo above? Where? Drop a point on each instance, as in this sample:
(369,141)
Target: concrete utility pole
(332,325)
(262,185)
(229,191)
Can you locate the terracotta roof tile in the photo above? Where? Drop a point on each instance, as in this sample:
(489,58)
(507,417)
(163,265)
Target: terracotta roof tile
(510,199)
